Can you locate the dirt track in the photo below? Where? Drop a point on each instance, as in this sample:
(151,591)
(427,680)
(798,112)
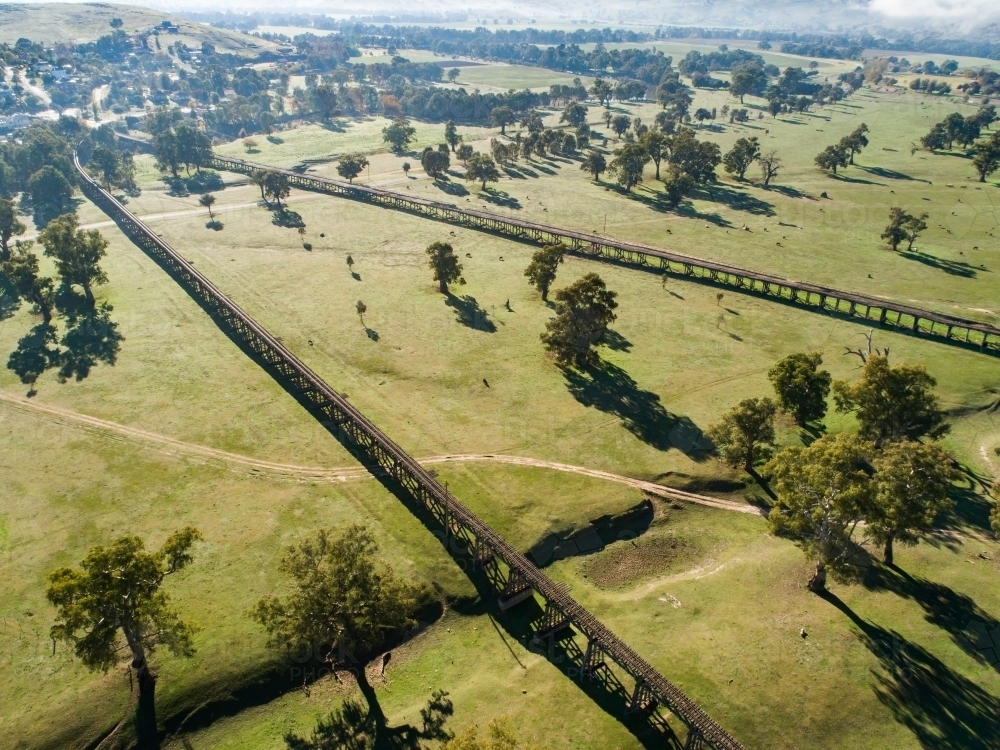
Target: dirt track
(171,447)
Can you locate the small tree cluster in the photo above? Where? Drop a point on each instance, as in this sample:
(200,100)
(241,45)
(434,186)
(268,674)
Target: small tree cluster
(435,161)
(743,153)
(115,603)
(824,492)
(481,168)
(351,166)
(955,129)
(398,134)
(903,226)
(444,263)
(272,184)
(541,272)
(181,146)
(892,403)
(833,157)
(584,310)
(690,162)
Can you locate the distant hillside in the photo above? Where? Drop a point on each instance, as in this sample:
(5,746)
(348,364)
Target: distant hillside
(85,22)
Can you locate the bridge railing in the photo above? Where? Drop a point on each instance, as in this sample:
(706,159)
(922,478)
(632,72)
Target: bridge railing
(883,312)
(397,463)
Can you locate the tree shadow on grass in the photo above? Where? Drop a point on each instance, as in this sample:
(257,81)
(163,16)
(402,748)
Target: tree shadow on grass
(451,188)
(334,126)
(36,352)
(790,192)
(469,313)
(890,174)
(500,198)
(205,181)
(971,628)
(957,154)
(647,196)
(283,217)
(855,180)
(657,201)
(608,388)
(402,737)
(971,511)
(43,213)
(942,708)
(282,676)
(740,200)
(950,267)
(90,339)
(688,210)
(10,302)
(616,342)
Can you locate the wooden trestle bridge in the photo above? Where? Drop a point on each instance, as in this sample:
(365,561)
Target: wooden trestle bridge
(514,577)
(914,320)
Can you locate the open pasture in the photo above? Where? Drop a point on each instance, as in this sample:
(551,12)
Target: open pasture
(705,594)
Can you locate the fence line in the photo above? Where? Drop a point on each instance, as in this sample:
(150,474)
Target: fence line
(487,548)
(909,319)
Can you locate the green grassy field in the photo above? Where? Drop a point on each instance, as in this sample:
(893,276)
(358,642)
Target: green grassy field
(706,595)
(499,77)
(505,77)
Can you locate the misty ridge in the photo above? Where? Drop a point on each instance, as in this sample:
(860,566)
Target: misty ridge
(890,18)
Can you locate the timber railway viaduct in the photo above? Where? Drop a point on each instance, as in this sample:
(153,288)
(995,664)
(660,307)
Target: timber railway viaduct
(512,575)
(913,320)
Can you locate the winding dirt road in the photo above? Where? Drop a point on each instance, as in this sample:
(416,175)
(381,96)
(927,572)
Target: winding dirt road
(171,447)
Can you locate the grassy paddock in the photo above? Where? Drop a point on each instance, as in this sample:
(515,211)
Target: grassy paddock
(706,595)
(54,23)
(690,372)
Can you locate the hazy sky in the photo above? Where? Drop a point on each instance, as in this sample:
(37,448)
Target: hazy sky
(944,15)
(946,10)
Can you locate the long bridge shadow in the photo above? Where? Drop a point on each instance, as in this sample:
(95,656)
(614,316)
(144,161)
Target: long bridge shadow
(649,726)
(519,624)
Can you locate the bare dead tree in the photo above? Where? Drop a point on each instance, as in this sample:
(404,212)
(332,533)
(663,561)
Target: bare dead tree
(864,354)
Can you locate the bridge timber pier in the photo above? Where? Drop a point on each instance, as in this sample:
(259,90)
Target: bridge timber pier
(904,318)
(514,578)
